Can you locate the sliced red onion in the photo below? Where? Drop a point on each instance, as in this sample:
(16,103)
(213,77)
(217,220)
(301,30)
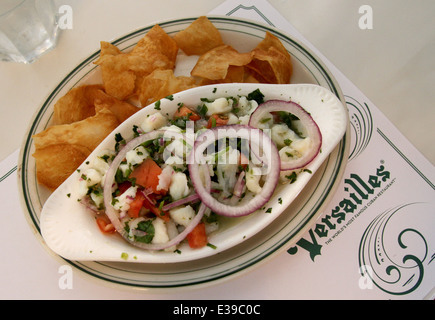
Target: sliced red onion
(111,212)
(196,159)
(307,121)
(189,199)
(89,205)
(238,188)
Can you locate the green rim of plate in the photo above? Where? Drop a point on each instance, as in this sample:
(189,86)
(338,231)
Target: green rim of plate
(223,267)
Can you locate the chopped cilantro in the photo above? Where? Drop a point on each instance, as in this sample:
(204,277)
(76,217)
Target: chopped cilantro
(211,246)
(287,142)
(288,118)
(212,217)
(157,105)
(202,110)
(213,122)
(257,96)
(114,201)
(292,177)
(148,228)
(105,158)
(119,141)
(206,100)
(136,132)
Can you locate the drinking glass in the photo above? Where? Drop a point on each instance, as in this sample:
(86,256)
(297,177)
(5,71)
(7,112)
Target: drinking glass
(28,29)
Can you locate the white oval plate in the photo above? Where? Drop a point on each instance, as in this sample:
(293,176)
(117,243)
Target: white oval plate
(278,236)
(69,229)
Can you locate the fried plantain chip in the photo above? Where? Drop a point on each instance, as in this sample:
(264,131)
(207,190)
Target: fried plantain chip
(162,83)
(123,72)
(121,109)
(77,104)
(55,163)
(158,48)
(87,133)
(60,149)
(199,37)
(214,64)
(118,78)
(235,74)
(271,63)
(81,102)
(272,41)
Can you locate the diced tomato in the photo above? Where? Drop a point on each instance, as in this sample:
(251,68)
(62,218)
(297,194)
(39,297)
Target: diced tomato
(147,175)
(105,225)
(122,187)
(276,117)
(184,111)
(197,238)
(136,204)
(243,161)
(154,209)
(216,120)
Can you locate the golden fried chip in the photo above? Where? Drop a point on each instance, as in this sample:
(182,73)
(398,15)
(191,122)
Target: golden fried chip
(121,109)
(87,133)
(123,72)
(214,64)
(271,62)
(81,102)
(119,80)
(55,163)
(60,149)
(77,104)
(158,48)
(109,49)
(272,41)
(235,74)
(162,83)
(250,76)
(198,38)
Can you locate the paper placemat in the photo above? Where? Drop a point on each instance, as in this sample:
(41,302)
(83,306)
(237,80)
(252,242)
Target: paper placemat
(375,239)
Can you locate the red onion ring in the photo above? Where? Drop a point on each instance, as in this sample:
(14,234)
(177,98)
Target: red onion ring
(189,199)
(112,214)
(308,122)
(234,131)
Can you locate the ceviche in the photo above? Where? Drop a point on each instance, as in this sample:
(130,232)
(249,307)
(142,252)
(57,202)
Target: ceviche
(178,174)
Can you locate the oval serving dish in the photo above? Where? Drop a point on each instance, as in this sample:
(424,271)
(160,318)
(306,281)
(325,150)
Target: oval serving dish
(69,229)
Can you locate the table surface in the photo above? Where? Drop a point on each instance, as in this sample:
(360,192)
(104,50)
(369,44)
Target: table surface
(392,63)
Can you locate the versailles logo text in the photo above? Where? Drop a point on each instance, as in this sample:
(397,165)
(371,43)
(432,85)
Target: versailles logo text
(359,191)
